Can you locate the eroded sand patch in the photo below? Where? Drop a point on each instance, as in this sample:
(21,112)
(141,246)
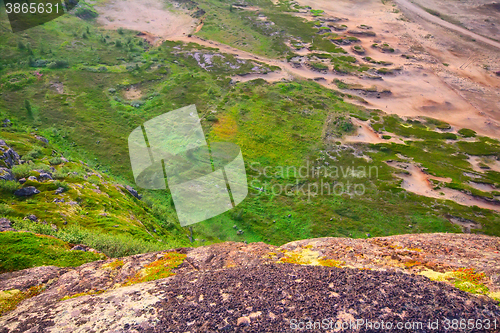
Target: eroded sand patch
(419,182)
(132,93)
(366,134)
(484,163)
(483,187)
(145,15)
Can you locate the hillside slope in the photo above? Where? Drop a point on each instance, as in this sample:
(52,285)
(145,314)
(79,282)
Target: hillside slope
(43,192)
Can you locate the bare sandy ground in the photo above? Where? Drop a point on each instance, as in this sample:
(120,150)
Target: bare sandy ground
(464,96)
(366,134)
(434,19)
(462,93)
(132,93)
(145,15)
(479,16)
(418,182)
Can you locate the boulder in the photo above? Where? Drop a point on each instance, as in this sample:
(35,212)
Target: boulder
(59,190)
(132,191)
(26,191)
(45,176)
(8,156)
(5,225)
(41,138)
(6,174)
(31,217)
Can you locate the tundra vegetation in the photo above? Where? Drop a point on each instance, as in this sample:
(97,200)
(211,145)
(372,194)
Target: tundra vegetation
(70,81)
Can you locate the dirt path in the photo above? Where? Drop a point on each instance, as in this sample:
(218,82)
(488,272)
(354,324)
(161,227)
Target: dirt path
(434,19)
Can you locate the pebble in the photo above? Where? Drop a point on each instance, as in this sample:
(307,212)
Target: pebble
(243,321)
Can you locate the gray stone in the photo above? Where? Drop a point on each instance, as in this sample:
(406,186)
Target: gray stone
(41,138)
(45,176)
(32,178)
(78,248)
(5,224)
(59,190)
(6,174)
(132,191)
(26,191)
(8,156)
(31,217)
(495,279)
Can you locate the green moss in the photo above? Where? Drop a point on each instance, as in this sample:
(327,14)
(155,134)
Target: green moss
(113,265)
(86,293)
(22,250)
(10,299)
(158,269)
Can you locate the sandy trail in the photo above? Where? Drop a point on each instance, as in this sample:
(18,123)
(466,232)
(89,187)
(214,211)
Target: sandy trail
(417,90)
(434,19)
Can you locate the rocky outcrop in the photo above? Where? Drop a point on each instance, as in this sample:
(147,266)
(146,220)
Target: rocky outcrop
(256,288)
(8,157)
(6,174)
(132,191)
(5,225)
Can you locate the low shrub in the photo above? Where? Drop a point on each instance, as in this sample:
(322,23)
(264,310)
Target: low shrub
(9,186)
(58,64)
(467,133)
(113,245)
(55,160)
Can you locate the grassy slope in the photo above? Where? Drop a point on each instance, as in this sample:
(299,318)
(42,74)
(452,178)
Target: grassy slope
(94,204)
(282,124)
(25,250)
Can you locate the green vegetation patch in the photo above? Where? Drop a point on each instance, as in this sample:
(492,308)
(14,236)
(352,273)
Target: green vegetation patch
(158,269)
(22,250)
(9,299)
